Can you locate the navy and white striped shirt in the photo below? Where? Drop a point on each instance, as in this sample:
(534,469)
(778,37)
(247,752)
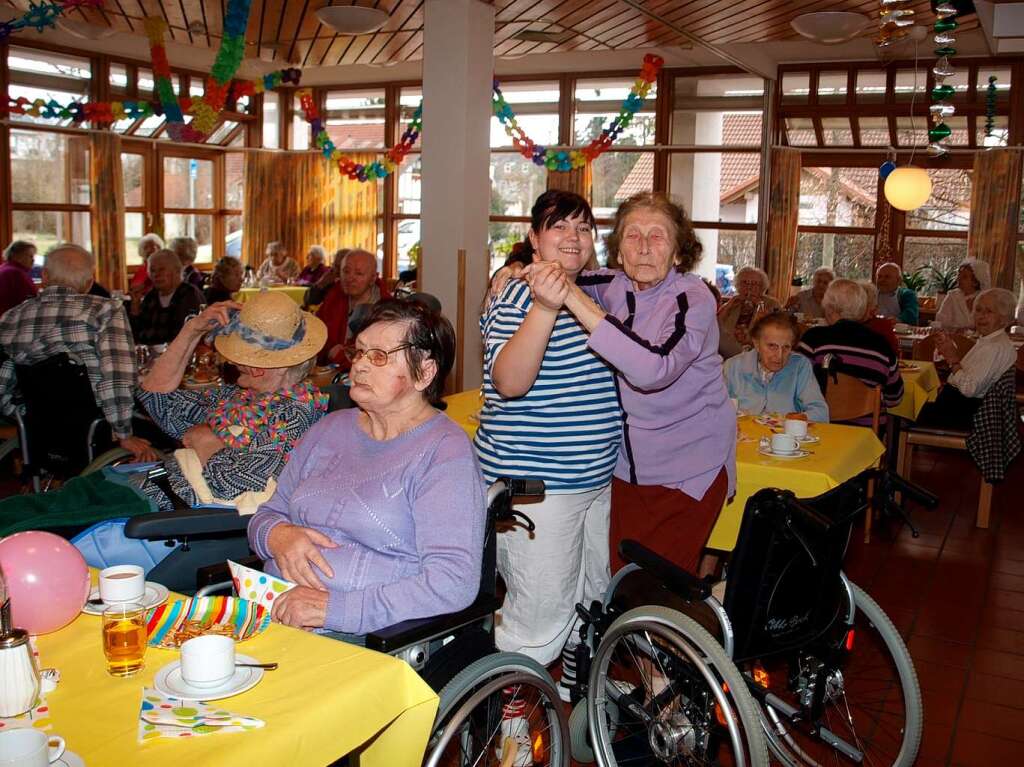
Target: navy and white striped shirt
(566,429)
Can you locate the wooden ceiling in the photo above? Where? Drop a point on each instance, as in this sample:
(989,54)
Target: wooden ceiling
(287,31)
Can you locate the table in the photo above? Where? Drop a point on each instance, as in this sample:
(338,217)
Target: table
(294,292)
(843,453)
(365,701)
(920,387)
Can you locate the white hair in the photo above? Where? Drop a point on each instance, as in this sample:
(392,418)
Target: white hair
(149,239)
(185,248)
(889,265)
(870,292)
(70,266)
(1003,302)
(754,270)
(275,247)
(845,298)
(318,249)
(165,255)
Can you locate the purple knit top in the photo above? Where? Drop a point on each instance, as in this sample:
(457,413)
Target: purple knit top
(408,515)
(679,427)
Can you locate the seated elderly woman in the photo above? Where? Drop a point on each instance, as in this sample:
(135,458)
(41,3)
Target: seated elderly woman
(379,515)
(739,312)
(974,373)
(158,315)
(771,379)
(225,281)
(956,312)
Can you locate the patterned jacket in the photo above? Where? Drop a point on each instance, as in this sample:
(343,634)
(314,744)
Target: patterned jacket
(994,441)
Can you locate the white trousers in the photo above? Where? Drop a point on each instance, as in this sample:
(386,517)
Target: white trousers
(564,561)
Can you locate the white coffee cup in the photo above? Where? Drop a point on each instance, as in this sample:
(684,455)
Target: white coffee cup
(784,443)
(795,427)
(122,583)
(29,748)
(208,661)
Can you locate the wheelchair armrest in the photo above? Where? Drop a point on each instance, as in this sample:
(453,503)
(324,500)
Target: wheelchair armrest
(685,584)
(410,632)
(188,522)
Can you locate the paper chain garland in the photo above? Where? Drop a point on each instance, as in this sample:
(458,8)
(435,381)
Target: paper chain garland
(358,171)
(562,159)
(940,109)
(42,15)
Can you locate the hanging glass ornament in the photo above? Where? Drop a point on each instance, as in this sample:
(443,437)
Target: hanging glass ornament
(939,132)
(942,68)
(942,92)
(895,13)
(946,25)
(937,150)
(942,10)
(944,38)
(942,110)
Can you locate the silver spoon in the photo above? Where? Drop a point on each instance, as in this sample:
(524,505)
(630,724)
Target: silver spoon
(267,666)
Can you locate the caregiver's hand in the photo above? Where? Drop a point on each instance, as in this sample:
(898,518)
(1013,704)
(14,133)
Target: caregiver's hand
(296,550)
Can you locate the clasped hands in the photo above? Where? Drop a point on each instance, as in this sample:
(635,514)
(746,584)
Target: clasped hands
(549,284)
(296,551)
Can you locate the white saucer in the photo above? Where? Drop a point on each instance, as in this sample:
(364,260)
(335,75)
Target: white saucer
(156,594)
(810,439)
(69,759)
(169,681)
(794,454)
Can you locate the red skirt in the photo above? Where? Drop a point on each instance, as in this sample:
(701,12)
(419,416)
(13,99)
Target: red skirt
(665,520)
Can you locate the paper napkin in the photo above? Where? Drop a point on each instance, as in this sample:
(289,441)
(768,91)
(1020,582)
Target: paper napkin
(165,717)
(257,587)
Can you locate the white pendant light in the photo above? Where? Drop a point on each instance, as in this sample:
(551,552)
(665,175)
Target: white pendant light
(352,19)
(908,188)
(830,27)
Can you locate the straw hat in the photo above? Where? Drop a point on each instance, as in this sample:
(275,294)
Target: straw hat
(275,318)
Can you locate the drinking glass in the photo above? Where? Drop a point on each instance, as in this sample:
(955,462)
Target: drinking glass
(124,638)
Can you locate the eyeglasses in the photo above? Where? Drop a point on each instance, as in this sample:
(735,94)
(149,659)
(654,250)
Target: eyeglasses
(377,357)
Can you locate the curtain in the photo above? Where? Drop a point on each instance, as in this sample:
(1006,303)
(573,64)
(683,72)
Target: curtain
(784,208)
(579,180)
(107,210)
(301,199)
(994,212)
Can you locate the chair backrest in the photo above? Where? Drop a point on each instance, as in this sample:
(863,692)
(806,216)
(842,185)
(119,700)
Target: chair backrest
(1020,359)
(60,413)
(925,348)
(850,398)
(784,587)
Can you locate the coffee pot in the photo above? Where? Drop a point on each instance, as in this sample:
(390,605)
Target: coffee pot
(19,677)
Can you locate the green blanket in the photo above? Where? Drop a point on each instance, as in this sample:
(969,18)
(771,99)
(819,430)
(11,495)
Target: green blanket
(80,503)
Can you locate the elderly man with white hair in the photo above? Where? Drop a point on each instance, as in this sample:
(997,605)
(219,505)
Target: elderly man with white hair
(851,347)
(65,319)
(738,314)
(808,301)
(895,301)
(158,316)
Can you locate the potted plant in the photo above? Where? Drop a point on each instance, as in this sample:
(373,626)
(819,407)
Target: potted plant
(916,280)
(941,280)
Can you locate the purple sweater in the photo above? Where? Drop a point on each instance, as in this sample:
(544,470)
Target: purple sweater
(679,427)
(408,515)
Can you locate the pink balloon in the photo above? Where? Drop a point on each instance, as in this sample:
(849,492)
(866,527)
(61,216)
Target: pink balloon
(47,579)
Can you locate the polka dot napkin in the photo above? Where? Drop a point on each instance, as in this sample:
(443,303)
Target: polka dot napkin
(165,717)
(261,588)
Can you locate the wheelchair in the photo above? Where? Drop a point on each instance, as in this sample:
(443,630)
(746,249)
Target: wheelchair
(792,658)
(497,709)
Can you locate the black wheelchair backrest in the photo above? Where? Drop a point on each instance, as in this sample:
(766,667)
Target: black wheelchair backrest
(784,585)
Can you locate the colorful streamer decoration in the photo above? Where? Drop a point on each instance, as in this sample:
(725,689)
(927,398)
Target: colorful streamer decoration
(561,159)
(41,16)
(941,109)
(895,18)
(377,169)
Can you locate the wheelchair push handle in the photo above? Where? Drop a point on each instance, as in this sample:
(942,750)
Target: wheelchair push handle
(501,493)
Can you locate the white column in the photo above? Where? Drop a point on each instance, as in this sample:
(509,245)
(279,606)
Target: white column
(458,67)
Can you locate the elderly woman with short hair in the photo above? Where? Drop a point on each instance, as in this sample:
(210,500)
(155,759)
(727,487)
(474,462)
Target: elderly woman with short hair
(278,265)
(315,267)
(956,312)
(808,301)
(225,281)
(974,373)
(739,312)
(771,379)
(655,324)
(379,515)
(147,245)
(186,249)
(158,316)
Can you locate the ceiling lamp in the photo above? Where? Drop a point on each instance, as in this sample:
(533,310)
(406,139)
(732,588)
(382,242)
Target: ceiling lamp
(830,27)
(908,188)
(352,19)
(85,30)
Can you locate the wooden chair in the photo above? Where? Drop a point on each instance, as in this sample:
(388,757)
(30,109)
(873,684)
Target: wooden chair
(1020,376)
(848,399)
(925,348)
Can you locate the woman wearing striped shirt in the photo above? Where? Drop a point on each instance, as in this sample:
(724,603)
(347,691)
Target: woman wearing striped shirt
(550,412)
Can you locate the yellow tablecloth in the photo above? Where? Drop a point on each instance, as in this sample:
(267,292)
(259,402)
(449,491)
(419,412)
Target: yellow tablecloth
(842,453)
(920,387)
(326,699)
(294,292)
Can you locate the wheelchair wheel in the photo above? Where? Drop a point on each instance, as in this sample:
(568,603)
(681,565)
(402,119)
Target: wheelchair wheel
(663,691)
(871,709)
(112,457)
(501,711)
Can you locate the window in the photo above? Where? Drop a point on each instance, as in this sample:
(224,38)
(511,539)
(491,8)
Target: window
(48,76)
(836,221)
(271,121)
(536,108)
(355,119)
(188,201)
(597,102)
(50,188)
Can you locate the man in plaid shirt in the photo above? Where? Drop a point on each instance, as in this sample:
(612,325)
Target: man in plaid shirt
(89,329)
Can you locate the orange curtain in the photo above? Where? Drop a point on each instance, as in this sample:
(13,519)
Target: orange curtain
(994,211)
(784,208)
(301,199)
(579,180)
(107,210)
